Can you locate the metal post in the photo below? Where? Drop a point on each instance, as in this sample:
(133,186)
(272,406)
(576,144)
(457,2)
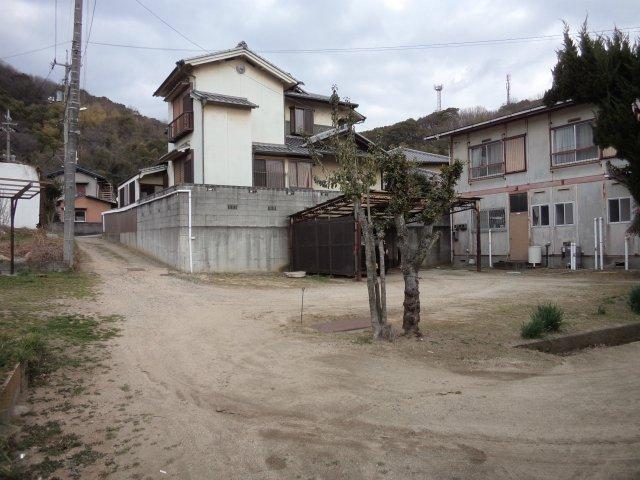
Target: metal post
(356,250)
(595,243)
(478,243)
(490,251)
(601,243)
(12,212)
(73,106)
(626,252)
(572,257)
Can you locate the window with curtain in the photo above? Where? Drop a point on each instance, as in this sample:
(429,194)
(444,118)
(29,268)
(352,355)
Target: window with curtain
(301,121)
(486,160)
(572,144)
(268,173)
(514,156)
(300,175)
(619,210)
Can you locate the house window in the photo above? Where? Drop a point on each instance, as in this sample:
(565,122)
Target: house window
(493,219)
(268,173)
(81,189)
(301,120)
(121,197)
(486,160)
(132,192)
(188,169)
(619,210)
(514,154)
(300,175)
(573,144)
(564,213)
(540,215)
(80,215)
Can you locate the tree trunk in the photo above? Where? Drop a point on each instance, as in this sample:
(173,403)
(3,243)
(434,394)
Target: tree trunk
(411,303)
(382,278)
(372,287)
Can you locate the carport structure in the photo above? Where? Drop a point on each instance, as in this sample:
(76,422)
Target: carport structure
(326,239)
(15,189)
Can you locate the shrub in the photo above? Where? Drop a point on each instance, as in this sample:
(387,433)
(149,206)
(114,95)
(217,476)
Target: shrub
(546,318)
(634,299)
(532,329)
(550,316)
(33,349)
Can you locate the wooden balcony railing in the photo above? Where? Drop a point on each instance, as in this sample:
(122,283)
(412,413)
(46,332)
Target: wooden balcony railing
(180,126)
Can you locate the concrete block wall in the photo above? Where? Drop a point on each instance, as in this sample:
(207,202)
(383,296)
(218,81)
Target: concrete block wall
(234,229)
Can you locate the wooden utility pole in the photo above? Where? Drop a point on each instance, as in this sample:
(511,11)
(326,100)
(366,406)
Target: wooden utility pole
(73,106)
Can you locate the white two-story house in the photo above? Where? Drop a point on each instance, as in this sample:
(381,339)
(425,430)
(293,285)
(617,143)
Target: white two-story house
(541,181)
(237,119)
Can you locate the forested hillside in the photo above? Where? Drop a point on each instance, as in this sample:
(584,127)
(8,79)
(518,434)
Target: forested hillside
(412,133)
(115,140)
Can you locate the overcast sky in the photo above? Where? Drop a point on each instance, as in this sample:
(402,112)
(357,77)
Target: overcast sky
(390,86)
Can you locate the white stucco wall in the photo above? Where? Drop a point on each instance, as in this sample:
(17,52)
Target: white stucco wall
(254,84)
(227,145)
(27,211)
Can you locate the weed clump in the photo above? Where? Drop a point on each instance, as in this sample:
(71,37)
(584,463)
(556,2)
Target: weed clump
(634,299)
(546,318)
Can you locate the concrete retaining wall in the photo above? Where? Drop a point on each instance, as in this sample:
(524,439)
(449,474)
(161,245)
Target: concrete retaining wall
(234,229)
(13,386)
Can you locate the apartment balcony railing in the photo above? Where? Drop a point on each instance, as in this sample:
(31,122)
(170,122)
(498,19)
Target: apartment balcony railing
(181,125)
(489,170)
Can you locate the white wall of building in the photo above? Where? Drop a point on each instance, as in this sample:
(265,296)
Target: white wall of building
(227,145)
(27,211)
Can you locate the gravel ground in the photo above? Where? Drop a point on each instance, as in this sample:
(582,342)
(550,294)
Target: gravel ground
(214,379)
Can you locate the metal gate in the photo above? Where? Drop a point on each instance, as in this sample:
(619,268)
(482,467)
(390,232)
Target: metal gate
(324,245)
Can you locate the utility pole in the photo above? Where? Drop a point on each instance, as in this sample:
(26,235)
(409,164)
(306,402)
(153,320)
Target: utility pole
(508,88)
(7,127)
(73,106)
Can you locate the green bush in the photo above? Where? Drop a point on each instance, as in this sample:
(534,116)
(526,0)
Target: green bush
(532,329)
(550,316)
(546,318)
(634,299)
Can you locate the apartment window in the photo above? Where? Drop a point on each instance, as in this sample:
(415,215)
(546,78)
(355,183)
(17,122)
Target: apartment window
(619,210)
(301,120)
(493,219)
(121,202)
(540,215)
(564,213)
(486,160)
(187,166)
(80,215)
(518,202)
(573,144)
(268,173)
(300,175)
(514,154)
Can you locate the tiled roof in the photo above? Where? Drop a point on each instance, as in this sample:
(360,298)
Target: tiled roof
(418,156)
(315,97)
(292,146)
(86,171)
(219,99)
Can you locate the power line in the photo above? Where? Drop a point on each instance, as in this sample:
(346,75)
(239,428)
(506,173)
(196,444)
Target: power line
(168,25)
(86,45)
(34,50)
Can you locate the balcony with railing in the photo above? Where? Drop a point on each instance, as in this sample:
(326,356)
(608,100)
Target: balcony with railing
(181,126)
(487,170)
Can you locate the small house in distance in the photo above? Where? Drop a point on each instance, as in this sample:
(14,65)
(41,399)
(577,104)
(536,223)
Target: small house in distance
(94,195)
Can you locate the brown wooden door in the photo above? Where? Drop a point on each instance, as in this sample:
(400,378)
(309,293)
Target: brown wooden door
(518,236)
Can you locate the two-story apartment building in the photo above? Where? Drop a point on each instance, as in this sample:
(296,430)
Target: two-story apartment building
(542,181)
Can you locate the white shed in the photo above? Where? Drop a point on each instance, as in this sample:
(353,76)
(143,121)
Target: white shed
(28,210)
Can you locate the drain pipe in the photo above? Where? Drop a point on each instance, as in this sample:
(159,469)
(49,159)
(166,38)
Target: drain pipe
(601,246)
(595,243)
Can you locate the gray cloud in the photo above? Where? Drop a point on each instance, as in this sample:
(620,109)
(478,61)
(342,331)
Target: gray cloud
(389,86)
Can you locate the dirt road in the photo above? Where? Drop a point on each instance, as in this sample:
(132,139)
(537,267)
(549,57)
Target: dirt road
(213,382)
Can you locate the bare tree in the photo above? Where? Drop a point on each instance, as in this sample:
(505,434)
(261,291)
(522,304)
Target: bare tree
(419,198)
(354,177)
